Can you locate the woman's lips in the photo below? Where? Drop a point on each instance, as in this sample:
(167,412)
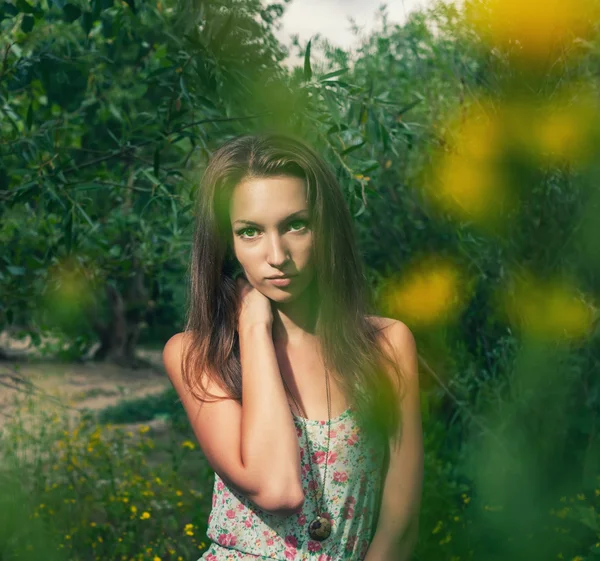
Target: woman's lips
(281,282)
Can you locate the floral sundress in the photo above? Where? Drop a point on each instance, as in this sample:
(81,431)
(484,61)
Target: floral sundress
(239,530)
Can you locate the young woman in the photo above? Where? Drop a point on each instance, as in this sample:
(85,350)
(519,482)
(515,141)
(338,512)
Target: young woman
(304,402)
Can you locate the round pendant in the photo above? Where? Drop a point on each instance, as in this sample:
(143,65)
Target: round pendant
(319,529)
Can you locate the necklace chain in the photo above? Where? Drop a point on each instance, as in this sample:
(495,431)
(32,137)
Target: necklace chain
(320,495)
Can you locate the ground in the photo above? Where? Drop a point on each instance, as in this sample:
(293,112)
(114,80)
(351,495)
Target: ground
(86,385)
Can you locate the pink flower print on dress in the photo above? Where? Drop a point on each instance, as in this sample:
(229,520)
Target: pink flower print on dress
(312,485)
(340,476)
(248,523)
(230,514)
(290,553)
(270,541)
(302,519)
(351,542)
(313,546)
(324,557)
(299,432)
(318,457)
(332,458)
(291,540)
(211,557)
(332,434)
(220,486)
(226,539)
(351,500)
(352,439)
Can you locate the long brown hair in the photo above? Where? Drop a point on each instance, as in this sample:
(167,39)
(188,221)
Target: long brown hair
(350,342)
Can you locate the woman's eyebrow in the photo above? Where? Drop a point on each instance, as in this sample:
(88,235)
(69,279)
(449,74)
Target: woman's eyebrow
(293,215)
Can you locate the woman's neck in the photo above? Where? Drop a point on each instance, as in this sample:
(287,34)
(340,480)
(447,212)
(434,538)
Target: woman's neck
(295,322)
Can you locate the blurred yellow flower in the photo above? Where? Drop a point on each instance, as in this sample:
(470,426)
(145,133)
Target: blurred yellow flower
(535,27)
(427,294)
(548,309)
(188,444)
(145,516)
(143,429)
(466,178)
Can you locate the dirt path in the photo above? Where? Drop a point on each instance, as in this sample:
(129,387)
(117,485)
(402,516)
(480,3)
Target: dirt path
(88,385)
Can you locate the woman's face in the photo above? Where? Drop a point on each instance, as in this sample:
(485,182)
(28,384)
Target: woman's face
(272,234)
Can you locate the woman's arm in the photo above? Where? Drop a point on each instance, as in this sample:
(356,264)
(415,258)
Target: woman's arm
(397,528)
(269,443)
(253,448)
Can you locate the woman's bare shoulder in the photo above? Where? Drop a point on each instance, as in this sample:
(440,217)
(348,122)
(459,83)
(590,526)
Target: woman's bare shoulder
(381,322)
(395,333)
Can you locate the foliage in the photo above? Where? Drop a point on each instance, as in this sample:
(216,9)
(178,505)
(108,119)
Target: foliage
(84,490)
(107,118)
(468,155)
(91,491)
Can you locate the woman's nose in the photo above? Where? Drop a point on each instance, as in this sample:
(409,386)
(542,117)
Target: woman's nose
(277,252)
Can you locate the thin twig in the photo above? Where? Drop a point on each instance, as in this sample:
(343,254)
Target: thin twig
(473,418)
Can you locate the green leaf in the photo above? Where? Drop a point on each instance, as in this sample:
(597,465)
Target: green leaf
(9,9)
(71,12)
(409,106)
(307,68)
(16,271)
(337,128)
(156,161)
(115,251)
(333,74)
(68,230)
(360,210)
(352,148)
(27,24)
(221,35)
(370,165)
(87,21)
(24,7)
(29,119)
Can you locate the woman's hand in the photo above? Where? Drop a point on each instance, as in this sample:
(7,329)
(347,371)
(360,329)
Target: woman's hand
(253,307)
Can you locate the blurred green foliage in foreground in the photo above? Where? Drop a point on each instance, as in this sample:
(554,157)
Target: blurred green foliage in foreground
(466,142)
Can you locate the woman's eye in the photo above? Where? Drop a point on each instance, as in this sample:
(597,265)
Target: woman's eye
(303,223)
(243,233)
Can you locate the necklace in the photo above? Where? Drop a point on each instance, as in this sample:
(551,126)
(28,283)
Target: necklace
(320,528)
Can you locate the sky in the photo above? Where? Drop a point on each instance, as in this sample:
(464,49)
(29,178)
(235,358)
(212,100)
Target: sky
(330,18)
